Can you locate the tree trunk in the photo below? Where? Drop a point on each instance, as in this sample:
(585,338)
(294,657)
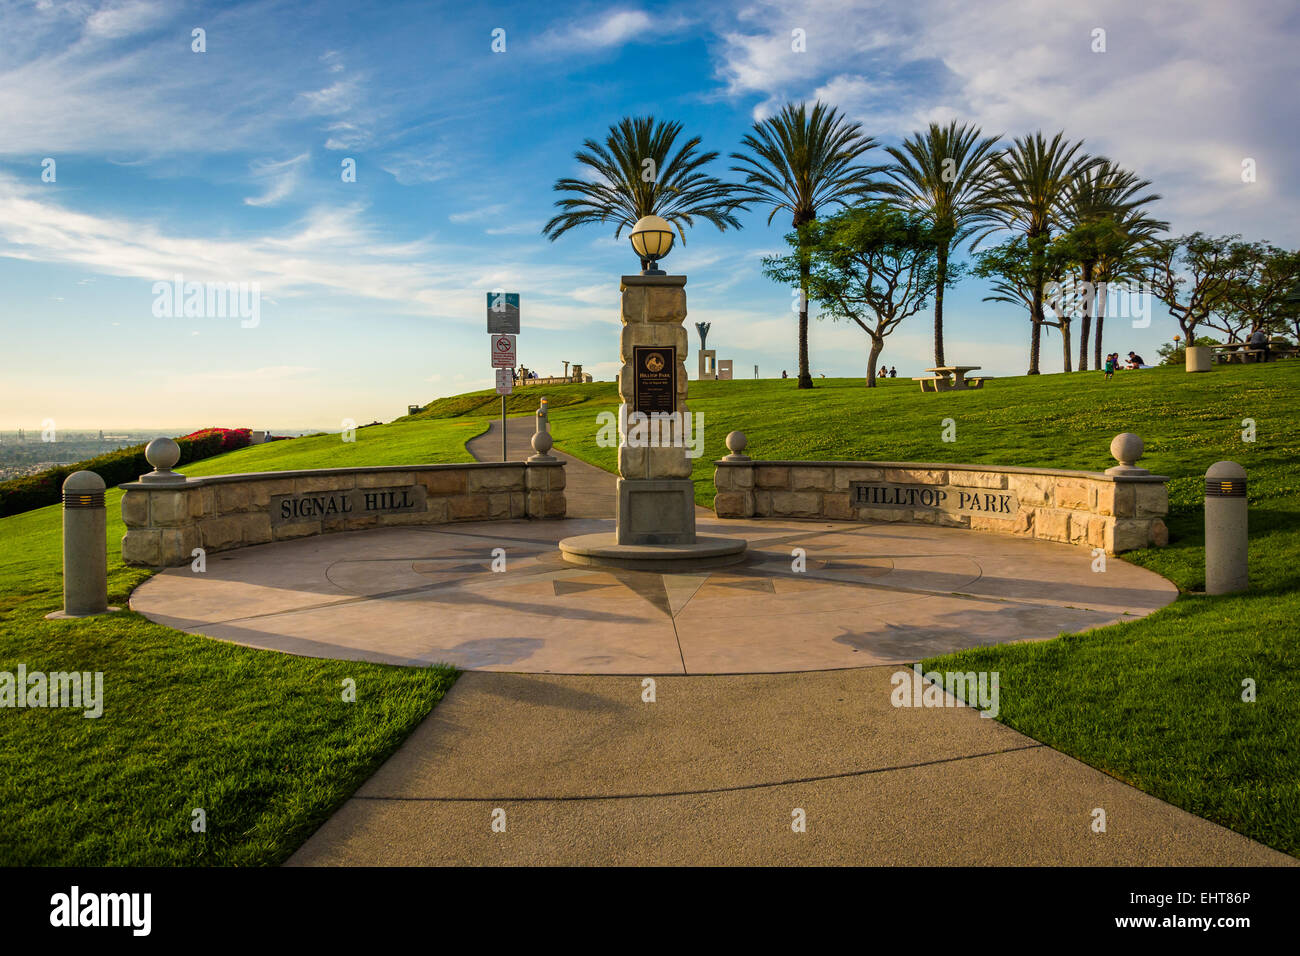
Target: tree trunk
(1065,346)
(1085,324)
(1096,350)
(805,377)
(1036,334)
(1035,344)
(876,346)
(941,273)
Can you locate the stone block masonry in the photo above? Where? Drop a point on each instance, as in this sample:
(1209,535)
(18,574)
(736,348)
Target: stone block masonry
(166,522)
(1098,510)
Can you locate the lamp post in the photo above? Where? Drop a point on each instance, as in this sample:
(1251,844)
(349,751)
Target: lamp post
(652,239)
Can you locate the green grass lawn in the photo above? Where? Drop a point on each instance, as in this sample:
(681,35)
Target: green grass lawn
(264,744)
(1156,703)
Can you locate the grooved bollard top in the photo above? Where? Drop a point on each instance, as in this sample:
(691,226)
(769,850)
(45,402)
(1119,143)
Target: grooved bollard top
(1225,479)
(83,489)
(163,454)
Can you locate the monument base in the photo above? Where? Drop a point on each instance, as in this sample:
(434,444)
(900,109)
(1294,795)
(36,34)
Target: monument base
(656,511)
(605,551)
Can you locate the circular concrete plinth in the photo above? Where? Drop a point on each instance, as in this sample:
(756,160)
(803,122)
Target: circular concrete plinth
(604,551)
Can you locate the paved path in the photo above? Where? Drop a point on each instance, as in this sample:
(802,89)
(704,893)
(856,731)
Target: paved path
(588,772)
(590,492)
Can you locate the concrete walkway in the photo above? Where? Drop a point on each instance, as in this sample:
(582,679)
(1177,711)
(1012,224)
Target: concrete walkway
(587,771)
(710,773)
(590,492)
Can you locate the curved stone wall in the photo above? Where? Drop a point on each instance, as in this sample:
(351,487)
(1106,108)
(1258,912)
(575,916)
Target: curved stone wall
(167,520)
(1114,512)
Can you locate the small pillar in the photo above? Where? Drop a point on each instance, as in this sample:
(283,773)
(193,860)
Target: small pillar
(1226,545)
(85,547)
(542,435)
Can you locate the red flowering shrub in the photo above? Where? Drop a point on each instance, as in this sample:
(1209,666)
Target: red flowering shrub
(115,467)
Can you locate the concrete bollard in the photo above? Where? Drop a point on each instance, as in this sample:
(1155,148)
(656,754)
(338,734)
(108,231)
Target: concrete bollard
(1198,358)
(85,547)
(1226,545)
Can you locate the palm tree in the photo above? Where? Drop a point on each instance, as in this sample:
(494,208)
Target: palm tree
(942,175)
(1098,208)
(1125,259)
(1026,193)
(803,160)
(635,176)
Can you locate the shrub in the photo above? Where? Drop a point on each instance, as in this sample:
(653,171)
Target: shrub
(115,467)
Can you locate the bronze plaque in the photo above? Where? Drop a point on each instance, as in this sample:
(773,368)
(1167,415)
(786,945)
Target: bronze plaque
(654,379)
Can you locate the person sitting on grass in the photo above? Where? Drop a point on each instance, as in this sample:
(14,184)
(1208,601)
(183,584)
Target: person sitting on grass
(1135,361)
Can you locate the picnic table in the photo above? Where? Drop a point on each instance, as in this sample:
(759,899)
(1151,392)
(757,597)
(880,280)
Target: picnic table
(1241,352)
(950,378)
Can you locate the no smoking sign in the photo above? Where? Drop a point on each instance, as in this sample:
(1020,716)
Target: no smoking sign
(503,351)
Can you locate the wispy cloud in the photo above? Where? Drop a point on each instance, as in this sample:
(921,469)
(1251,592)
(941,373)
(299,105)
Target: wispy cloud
(280,179)
(613,29)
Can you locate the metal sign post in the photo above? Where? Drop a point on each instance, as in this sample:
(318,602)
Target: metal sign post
(505,386)
(503,325)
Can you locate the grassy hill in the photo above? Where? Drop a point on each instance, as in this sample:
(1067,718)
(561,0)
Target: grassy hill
(263,743)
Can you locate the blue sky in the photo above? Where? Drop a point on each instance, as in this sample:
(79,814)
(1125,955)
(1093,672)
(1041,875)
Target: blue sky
(225,166)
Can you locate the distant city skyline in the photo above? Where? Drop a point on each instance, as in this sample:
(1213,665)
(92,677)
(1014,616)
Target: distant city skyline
(129,158)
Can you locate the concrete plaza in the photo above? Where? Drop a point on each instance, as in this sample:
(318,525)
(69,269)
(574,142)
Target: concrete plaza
(772,694)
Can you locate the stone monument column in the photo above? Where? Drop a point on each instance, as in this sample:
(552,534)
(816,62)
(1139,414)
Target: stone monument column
(655,525)
(656,499)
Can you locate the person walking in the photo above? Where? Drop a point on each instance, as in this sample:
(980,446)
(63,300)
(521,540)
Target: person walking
(1110,365)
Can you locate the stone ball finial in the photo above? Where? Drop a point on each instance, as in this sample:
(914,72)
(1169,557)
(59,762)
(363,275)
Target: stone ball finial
(542,443)
(1126,448)
(736,443)
(162,453)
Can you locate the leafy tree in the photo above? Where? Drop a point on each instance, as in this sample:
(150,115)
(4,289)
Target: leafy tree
(1027,193)
(802,161)
(1193,274)
(1256,297)
(872,265)
(942,175)
(636,173)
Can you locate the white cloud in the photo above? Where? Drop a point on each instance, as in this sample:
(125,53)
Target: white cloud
(614,29)
(1183,93)
(281,179)
(124,19)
